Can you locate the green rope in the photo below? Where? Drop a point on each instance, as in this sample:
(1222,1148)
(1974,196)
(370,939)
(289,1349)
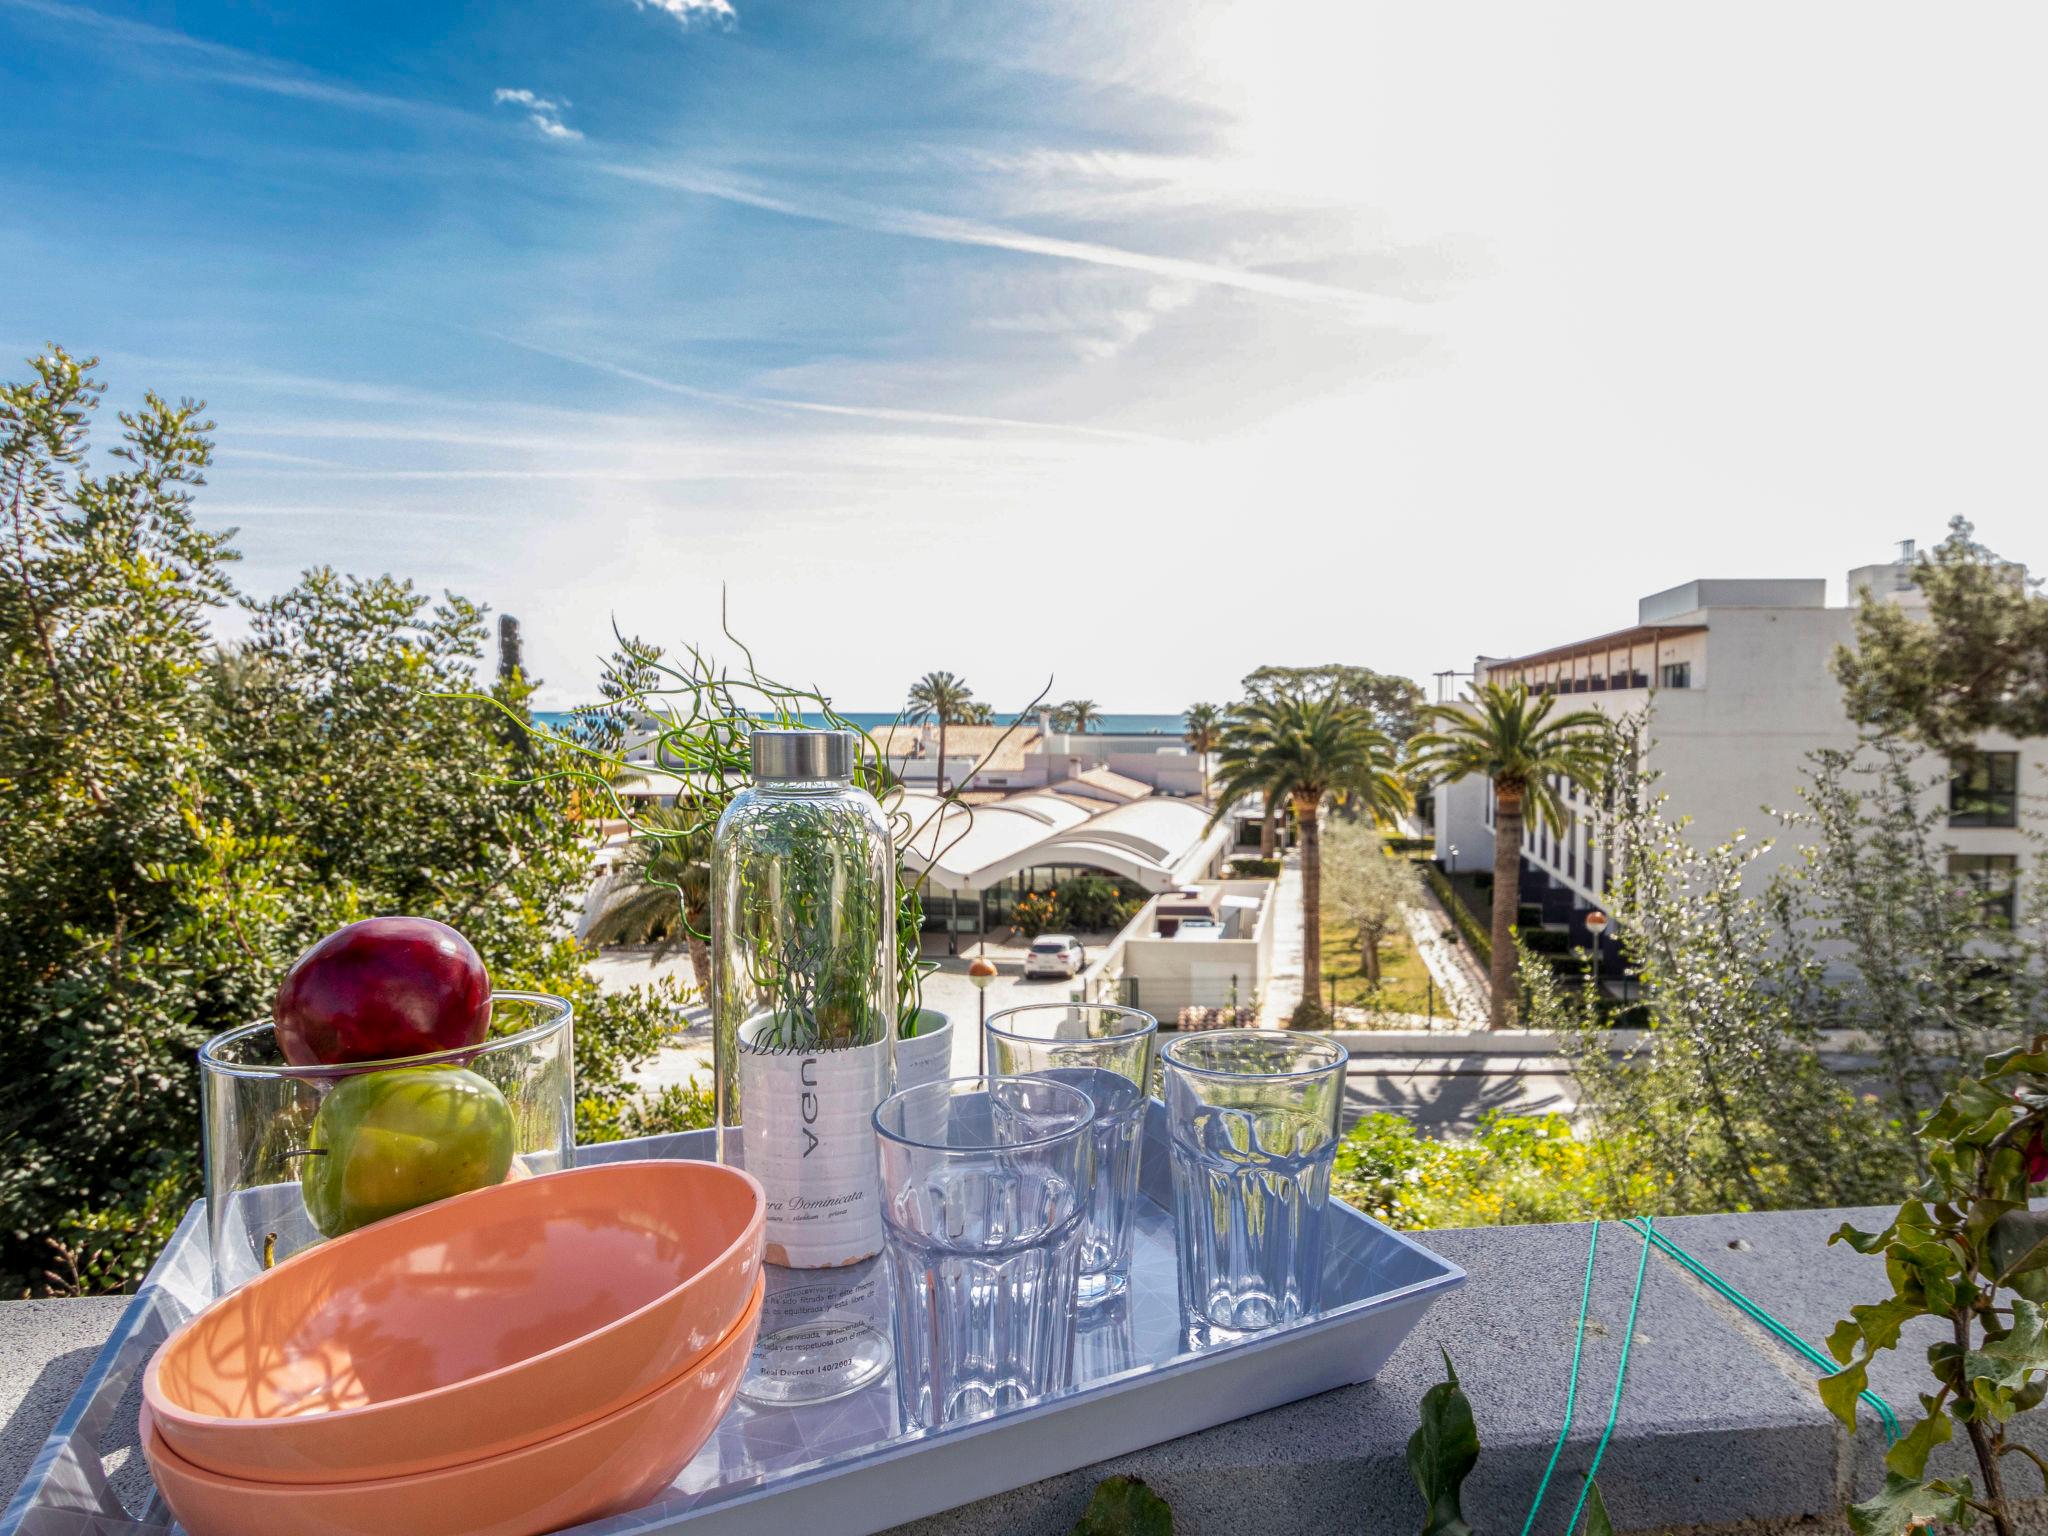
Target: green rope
(1763,1319)
(1571,1391)
(1628,1338)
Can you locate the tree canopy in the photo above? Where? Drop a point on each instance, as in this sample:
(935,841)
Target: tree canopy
(183,819)
(1395,703)
(1975,660)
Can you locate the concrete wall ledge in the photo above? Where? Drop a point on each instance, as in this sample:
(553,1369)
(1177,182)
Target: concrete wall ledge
(1547,1043)
(1719,1426)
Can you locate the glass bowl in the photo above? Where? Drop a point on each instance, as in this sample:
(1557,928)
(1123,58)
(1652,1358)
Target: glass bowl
(258,1114)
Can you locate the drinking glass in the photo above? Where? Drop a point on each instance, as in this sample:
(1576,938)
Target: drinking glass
(1251,1119)
(257,1114)
(1106,1052)
(985,1190)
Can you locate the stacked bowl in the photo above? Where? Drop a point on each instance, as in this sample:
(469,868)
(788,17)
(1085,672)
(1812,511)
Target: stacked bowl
(502,1363)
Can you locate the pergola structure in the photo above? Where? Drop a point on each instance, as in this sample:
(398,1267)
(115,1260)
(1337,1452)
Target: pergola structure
(1540,669)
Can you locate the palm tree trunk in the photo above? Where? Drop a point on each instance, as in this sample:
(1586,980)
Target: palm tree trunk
(1507,899)
(700,964)
(1309,825)
(1266,832)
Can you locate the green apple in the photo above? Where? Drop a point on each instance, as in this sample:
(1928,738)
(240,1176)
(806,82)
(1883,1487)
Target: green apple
(384,1142)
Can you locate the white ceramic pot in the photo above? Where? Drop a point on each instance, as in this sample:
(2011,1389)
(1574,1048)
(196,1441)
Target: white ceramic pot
(927,1055)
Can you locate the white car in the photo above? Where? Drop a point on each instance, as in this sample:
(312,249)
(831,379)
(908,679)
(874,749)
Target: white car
(1055,954)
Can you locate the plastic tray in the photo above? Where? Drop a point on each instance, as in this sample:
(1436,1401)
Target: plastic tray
(840,1466)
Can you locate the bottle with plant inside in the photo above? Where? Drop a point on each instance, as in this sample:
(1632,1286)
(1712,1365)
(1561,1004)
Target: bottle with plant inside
(803,993)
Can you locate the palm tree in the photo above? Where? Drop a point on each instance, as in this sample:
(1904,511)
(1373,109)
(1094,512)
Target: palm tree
(1301,750)
(1503,735)
(943,697)
(1203,732)
(663,895)
(1077,715)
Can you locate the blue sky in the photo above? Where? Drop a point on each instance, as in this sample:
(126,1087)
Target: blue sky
(1137,344)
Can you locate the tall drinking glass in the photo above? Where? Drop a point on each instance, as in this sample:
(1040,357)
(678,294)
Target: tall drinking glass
(1106,1052)
(985,1189)
(1252,1120)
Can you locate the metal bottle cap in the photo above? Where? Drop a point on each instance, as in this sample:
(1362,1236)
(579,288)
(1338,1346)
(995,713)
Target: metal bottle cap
(796,756)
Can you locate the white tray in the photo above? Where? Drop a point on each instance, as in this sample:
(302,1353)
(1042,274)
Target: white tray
(840,1466)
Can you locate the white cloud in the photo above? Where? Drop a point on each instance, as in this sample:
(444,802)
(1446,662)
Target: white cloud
(916,224)
(688,12)
(543,113)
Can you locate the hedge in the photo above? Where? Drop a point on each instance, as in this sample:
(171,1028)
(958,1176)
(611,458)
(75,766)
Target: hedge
(1461,917)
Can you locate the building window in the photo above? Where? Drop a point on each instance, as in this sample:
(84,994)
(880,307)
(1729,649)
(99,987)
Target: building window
(1983,790)
(1995,878)
(1677,674)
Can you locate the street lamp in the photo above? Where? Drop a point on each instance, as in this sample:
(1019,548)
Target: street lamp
(1596,925)
(981,971)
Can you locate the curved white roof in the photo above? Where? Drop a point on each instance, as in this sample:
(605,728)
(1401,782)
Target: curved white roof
(1155,842)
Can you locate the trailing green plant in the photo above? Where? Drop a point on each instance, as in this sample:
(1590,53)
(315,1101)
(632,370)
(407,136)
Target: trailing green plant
(1968,1255)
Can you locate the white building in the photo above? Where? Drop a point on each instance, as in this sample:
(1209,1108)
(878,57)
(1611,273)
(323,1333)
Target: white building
(1030,756)
(1740,686)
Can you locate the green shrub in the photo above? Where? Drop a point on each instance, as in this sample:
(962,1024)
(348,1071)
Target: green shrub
(1254,869)
(1546,941)
(1466,925)
(1097,903)
(182,819)
(1035,912)
(1517,1168)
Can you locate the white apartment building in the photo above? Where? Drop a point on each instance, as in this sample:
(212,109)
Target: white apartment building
(1738,678)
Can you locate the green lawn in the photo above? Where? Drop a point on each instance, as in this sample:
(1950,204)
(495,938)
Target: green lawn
(1404,980)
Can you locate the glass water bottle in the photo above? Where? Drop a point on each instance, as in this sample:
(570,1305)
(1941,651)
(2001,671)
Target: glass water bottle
(803,935)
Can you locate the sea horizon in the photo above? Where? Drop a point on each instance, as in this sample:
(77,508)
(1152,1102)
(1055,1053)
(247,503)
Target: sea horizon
(871,720)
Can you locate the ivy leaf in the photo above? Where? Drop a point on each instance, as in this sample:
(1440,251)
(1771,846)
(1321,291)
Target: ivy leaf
(1908,1458)
(1905,1505)
(1442,1453)
(1841,1390)
(1124,1506)
(1880,1322)
(2004,1362)
(1597,1523)
(1862,1242)
(2018,1244)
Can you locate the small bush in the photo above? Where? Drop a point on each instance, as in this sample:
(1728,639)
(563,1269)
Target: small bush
(1546,941)
(1254,869)
(1035,912)
(1517,1168)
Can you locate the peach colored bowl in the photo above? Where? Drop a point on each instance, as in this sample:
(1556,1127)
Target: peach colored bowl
(610,1464)
(463,1329)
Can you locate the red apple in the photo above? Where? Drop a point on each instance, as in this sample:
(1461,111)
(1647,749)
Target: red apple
(381,989)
